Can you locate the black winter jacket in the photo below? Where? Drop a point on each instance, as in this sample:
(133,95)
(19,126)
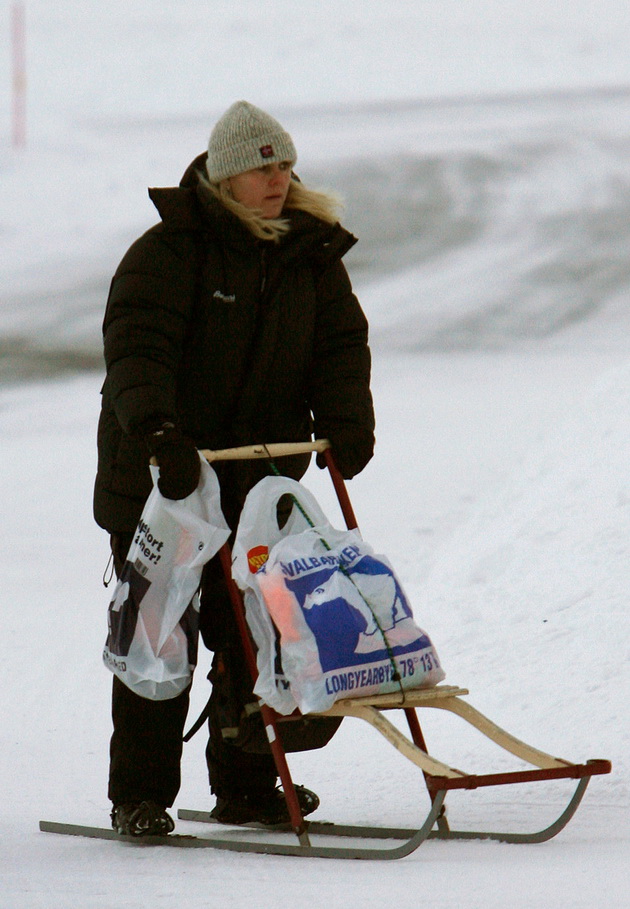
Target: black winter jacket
(236,340)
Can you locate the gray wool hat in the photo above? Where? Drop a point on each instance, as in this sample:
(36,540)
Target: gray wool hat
(245,138)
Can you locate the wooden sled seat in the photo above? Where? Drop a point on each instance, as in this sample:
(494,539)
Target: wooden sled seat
(440,776)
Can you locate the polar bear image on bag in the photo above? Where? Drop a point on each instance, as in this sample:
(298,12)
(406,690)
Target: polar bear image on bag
(351,611)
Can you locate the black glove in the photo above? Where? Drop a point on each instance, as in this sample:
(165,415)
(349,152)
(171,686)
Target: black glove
(351,450)
(178,460)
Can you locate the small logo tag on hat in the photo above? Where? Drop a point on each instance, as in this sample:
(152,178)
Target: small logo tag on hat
(266,151)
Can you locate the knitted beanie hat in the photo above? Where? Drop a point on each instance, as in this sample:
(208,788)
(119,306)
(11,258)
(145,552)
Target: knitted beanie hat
(244,138)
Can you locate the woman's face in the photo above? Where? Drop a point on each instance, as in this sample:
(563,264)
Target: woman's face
(264,188)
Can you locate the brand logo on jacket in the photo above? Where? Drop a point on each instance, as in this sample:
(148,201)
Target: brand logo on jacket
(227,298)
(266,151)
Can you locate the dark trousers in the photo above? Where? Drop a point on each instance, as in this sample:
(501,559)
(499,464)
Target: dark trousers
(146,745)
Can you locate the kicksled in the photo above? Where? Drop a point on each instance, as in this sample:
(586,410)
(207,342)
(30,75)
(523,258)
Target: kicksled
(342,841)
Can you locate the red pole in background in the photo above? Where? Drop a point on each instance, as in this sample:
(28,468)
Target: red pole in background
(18,54)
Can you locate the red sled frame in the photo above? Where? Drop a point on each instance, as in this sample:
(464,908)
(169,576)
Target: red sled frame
(439,778)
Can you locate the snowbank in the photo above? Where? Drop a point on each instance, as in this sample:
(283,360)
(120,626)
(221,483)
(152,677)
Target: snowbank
(532,592)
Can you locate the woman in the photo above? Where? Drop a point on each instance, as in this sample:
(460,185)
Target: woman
(230,322)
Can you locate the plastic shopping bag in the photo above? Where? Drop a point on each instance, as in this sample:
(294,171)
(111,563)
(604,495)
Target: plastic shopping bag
(258,532)
(328,615)
(153,618)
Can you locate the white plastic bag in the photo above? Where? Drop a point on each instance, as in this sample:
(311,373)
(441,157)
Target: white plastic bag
(153,618)
(257,533)
(344,623)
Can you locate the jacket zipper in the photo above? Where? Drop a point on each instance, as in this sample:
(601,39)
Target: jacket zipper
(263,271)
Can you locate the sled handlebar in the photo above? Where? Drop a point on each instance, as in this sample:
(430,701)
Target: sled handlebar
(273,450)
(284,449)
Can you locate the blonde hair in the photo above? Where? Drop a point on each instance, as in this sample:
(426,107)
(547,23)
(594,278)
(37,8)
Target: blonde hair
(325,206)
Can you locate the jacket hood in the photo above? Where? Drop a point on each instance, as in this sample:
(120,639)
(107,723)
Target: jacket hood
(190,206)
(191,174)
(177,205)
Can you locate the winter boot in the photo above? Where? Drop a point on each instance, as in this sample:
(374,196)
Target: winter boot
(141,819)
(267,808)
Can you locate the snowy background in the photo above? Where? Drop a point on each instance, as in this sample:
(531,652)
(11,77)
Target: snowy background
(482,148)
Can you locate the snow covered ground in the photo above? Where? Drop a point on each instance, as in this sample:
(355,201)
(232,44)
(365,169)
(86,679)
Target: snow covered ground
(483,151)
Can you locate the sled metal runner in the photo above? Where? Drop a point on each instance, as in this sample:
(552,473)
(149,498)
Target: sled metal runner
(439,778)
